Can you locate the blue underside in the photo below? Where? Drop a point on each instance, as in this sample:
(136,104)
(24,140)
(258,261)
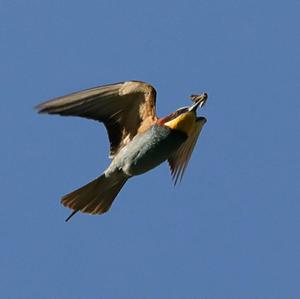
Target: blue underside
(148,150)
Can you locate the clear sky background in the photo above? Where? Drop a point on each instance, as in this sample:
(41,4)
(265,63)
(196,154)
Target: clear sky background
(231,228)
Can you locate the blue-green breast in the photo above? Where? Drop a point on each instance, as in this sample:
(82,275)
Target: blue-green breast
(149,149)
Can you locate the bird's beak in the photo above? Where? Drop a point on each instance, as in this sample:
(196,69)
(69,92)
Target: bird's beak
(199,100)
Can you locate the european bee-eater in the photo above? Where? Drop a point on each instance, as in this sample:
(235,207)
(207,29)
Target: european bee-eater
(139,140)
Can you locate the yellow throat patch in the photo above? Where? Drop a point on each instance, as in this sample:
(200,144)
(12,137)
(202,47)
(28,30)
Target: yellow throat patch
(185,122)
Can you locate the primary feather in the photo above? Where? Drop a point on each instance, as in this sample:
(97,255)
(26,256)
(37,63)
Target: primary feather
(125,109)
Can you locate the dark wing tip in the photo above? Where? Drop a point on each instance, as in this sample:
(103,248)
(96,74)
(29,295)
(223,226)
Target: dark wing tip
(46,107)
(40,108)
(202,119)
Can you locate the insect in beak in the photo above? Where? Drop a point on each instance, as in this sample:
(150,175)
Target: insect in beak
(199,101)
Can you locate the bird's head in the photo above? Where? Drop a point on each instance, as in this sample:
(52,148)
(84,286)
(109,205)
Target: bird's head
(184,119)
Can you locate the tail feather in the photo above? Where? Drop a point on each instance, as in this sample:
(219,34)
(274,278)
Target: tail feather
(95,197)
(97,206)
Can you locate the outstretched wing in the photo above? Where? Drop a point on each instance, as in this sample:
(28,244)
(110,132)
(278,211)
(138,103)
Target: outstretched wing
(180,159)
(125,108)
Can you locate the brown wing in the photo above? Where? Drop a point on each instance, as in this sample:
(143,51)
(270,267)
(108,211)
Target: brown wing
(125,108)
(180,159)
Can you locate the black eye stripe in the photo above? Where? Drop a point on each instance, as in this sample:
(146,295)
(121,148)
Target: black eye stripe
(180,111)
(177,113)
(174,115)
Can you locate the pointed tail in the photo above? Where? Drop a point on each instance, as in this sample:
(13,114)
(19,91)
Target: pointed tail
(95,197)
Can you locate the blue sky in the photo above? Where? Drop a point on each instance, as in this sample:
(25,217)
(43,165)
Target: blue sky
(231,228)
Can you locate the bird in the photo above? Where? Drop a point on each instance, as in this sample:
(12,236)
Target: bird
(139,139)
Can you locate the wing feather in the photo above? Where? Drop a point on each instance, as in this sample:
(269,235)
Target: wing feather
(125,108)
(180,159)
